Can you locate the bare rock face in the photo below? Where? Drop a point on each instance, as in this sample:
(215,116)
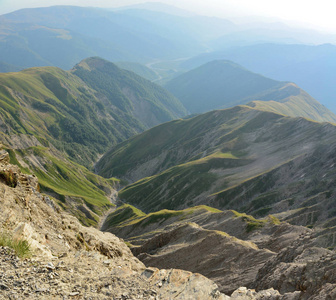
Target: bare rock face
(4,157)
(301,269)
(24,231)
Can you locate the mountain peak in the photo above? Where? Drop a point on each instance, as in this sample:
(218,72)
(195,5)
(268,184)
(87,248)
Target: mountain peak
(93,63)
(223,83)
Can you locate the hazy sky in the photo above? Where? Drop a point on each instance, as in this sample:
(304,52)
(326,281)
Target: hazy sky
(320,13)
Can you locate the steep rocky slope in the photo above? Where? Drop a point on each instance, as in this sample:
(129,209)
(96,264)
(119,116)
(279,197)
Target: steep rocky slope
(70,260)
(225,246)
(227,261)
(222,84)
(306,271)
(232,249)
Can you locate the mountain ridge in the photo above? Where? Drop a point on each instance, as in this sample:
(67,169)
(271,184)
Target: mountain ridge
(242,158)
(222,84)
(55,125)
(57,93)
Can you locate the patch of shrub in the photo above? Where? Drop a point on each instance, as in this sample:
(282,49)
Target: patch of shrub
(21,247)
(9,178)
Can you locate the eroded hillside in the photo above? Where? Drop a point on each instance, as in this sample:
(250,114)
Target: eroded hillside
(245,159)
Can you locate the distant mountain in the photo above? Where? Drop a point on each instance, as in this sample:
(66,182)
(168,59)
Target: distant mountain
(311,67)
(255,33)
(63,35)
(84,119)
(191,29)
(222,84)
(241,158)
(4,67)
(158,7)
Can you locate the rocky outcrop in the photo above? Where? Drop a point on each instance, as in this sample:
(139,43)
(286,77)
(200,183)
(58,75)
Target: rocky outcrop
(228,261)
(274,260)
(301,268)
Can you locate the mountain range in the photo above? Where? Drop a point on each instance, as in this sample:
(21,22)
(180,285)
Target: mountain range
(240,193)
(309,66)
(85,110)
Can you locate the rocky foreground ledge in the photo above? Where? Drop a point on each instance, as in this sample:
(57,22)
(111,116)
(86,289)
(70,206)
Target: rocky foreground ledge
(90,275)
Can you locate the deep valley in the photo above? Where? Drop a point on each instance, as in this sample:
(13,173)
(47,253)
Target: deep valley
(147,152)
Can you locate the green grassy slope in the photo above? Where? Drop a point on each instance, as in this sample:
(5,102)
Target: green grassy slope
(178,142)
(222,84)
(58,126)
(58,107)
(146,101)
(76,189)
(252,161)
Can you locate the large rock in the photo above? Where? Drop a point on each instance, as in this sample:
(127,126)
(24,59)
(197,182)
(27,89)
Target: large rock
(178,284)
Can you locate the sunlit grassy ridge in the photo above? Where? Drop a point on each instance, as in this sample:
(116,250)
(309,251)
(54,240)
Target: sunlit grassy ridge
(82,119)
(136,227)
(72,184)
(290,100)
(127,215)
